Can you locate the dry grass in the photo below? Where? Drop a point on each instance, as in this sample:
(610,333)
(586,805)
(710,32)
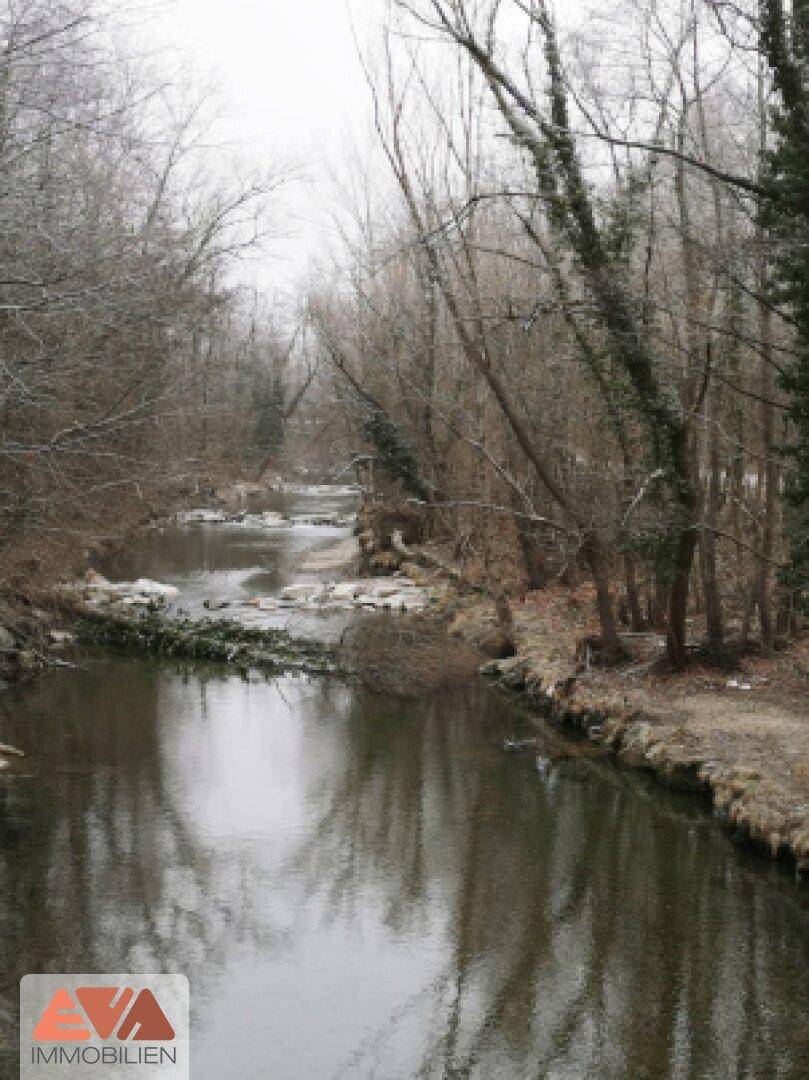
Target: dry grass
(407,656)
(746,737)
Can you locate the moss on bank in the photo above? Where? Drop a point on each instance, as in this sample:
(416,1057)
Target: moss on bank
(747,751)
(222,640)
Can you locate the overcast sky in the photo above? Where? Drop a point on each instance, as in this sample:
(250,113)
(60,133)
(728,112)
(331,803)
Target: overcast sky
(290,81)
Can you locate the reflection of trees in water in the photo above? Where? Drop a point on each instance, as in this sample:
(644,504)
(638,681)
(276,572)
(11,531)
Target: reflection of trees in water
(592,926)
(584,924)
(104,874)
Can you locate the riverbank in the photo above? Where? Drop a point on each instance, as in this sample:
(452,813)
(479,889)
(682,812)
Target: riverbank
(34,628)
(271,652)
(740,736)
(36,620)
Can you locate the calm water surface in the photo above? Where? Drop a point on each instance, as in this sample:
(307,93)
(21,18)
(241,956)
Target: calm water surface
(360,888)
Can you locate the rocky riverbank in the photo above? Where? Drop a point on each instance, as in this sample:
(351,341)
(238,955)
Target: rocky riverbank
(270,652)
(31,638)
(740,736)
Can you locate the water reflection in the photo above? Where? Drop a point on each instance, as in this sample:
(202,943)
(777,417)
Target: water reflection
(360,888)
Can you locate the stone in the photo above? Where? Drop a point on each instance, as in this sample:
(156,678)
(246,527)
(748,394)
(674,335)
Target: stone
(301,591)
(385,562)
(385,589)
(346,590)
(497,643)
(202,517)
(410,601)
(263,603)
(155,589)
(511,745)
(271,520)
(7,643)
(512,672)
(61,638)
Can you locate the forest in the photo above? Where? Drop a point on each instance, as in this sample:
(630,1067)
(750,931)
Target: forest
(562,304)
(580,304)
(128,359)
(404,537)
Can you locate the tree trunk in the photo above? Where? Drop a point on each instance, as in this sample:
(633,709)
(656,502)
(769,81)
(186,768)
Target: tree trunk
(637,621)
(713,599)
(678,601)
(598,565)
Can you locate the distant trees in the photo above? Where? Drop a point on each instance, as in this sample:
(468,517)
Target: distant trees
(126,360)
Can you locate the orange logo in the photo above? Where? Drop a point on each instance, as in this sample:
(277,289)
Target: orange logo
(104,1011)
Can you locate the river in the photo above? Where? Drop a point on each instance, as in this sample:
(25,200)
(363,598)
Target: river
(360,887)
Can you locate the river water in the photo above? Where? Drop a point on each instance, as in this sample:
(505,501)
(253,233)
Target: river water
(359,887)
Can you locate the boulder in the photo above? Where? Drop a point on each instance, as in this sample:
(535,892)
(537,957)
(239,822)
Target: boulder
(9,756)
(511,671)
(29,661)
(155,589)
(376,526)
(383,589)
(301,591)
(385,562)
(496,642)
(97,590)
(407,601)
(346,590)
(271,520)
(202,517)
(263,603)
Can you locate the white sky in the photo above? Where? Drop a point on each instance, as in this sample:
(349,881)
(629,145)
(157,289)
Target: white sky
(291,86)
